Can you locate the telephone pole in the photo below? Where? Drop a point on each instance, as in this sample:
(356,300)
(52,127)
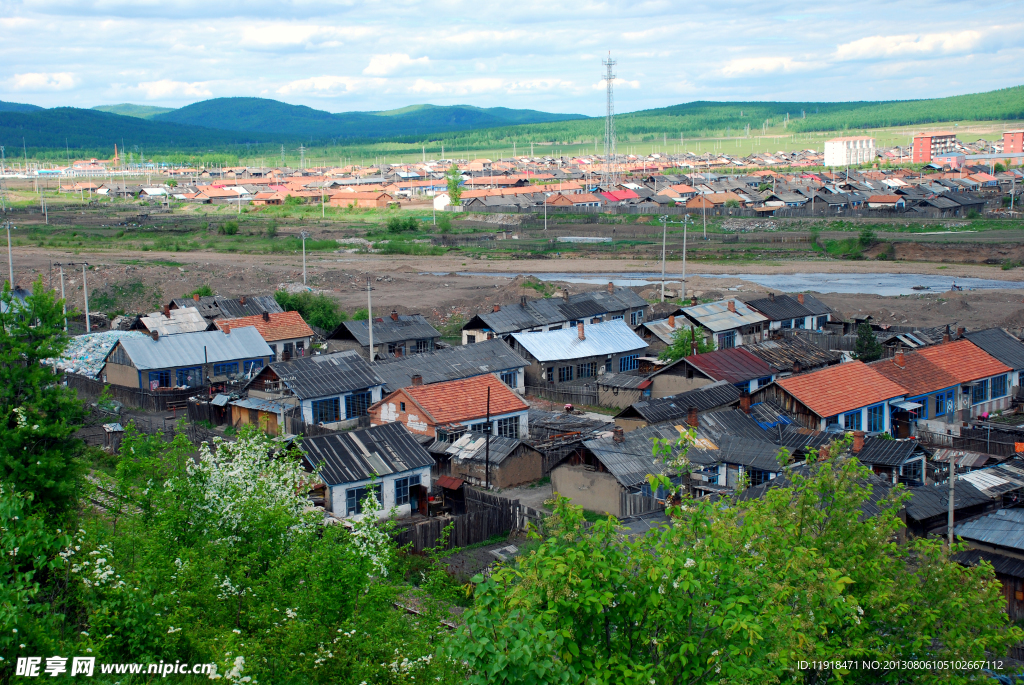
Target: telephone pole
(369,314)
(609,119)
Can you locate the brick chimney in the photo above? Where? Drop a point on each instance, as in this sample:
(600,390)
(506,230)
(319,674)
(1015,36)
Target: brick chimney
(691,417)
(579,331)
(945,337)
(617,435)
(565,294)
(394,315)
(671,320)
(796,366)
(522,301)
(771,296)
(196,297)
(266,316)
(155,335)
(417,380)
(800,298)
(693,301)
(732,306)
(960,332)
(611,287)
(897,359)
(167,311)
(745,402)
(858,441)
(495,308)
(241,300)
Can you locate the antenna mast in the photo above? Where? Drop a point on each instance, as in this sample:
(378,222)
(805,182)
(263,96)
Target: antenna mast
(609,120)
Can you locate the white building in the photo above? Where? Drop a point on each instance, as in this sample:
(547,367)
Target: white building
(849,151)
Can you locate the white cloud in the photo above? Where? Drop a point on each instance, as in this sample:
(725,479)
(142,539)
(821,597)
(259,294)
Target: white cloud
(327,85)
(36,81)
(618,83)
(278,34)
(749,66)
(875,47)
(469,86)
(382,65)
(165,88)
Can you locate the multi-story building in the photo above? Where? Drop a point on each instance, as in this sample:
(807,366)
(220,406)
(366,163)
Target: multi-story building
(849,151)
(927,146)
(1013,141)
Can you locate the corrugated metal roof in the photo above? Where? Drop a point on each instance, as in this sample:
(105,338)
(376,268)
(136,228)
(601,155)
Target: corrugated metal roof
(884,452)
(1003,528)
(963,457)
(879,488)
(780,307)
(473,447)
(181,321)
(783,354)
(676,407)
(755,454)
(259,404)
(663,331)
(464,361)
(235,309)
(545,424)
(326,375)
(927,501)
(357,455)
(1000,345)
(735,365)
(553,310)
(732,422)
(994,481)
(716,317)
(631,460)
(608,337)
(1001,564)
(623,380)
(193,349)
(387,330)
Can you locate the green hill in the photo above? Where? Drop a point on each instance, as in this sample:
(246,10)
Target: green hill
(130,110)
(18,107)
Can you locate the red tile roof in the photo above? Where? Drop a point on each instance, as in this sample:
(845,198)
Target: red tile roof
(915,372)
(281,326)
(465,399)
(841,388)
(964,360)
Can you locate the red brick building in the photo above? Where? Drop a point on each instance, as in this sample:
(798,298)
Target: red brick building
(1013,141)
(929,145)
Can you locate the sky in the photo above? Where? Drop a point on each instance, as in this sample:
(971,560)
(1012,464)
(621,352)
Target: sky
(344,55)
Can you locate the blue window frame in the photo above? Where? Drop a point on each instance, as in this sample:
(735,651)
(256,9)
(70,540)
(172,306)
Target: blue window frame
(188,378)
(822,320)
(628,362)
(851,420)
(327,411)
(510,378)
(1020,379)
(876,418)
(727,341)
(999,387)
(225,369)
(565,374)
(357,403)
(979,393)
(940,403)
(159,379)
(832,421)
(636,317)
(354,498)
(788,323)
(763,381)
(402,489)
(251,364)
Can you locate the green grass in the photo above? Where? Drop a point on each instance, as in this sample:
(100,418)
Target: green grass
(399,247)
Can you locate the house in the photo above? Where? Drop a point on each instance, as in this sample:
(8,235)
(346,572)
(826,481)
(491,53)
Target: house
(394,336)
(557,313)
(386,461)
(785,312)
(684,407)
(267,415)
(735,365)
(928,507)
(933,390)
(660,334)
(576,356)
(453,363)
(286,333)
(217,307)
(730,322)
(1004,347)
(788,356)
(622,389)
(984,380)
(185,360)
(172,322)
(886,202)
(362,199)
(499,462)
(851,396)
(998,538)
(897,461)
(330,389)
(449,409)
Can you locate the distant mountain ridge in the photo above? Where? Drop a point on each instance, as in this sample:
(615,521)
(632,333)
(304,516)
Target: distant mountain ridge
(129,110)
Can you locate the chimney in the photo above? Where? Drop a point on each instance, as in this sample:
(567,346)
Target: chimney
(155,335)
(897,359)
(565,294)
(745,402)
(167,311)
(960,332)
(771,296)
(611,287)
(241,300)
(266,316)
(796,366)
(579,331)
(496,308)
(945,337)
(227,330)
(394,315)
(691,417)
(858,441)
(617,435)
(196,297)
(522,301)
(417,380)
(732,306)
(693,301)
(800,298)
(671,320)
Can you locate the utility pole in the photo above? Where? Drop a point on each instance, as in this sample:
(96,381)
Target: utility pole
(304,235)
(682,285)
(545,213)
(609,121)
(10,257)
(487,445)
(664,235)
(369,314)
(85,294)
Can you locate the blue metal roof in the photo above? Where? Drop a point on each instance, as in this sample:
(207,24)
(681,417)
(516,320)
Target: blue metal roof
(192,349)
(1004,528)
(609,337)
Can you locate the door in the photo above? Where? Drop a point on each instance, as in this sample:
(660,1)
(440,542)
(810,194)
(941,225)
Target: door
(901,424)
(418,499)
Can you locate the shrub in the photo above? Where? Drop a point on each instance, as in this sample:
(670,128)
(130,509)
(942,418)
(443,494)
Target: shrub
(272,230)
(201,291)
(228,228)
(317,309)
(398,224)
(292,201)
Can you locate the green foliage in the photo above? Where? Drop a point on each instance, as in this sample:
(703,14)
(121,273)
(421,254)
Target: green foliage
(38,454)
(360,315)
(408,247)
(228,228)
(444,223)
(998,167)
(292,201)
(272,230)
(682,344)
(201,291)
(401,224)
(866,237)
(318,309)
(732,204)
(867,348)
(454,180)
(847,247)
(1010,264)
(973,214)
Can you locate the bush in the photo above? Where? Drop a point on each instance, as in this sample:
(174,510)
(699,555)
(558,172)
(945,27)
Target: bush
(292,201)
(201,291)
(867,236)
(973,214)
(272,230)
(318,310)
(444,224)
(732,204)
(228,228)
(398,224)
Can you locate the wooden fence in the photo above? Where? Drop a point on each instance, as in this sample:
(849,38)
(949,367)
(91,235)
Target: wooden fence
(989,441)
(586,396)
(487,515)
(136,398)
(635,505)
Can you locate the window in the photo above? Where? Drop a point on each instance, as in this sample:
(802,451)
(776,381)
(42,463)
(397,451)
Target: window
(273,350)
(757,476)
(225,369)
(851,420)
(607,365)
(801,323)
(289,350)
(450,436)
(586,370)
(617,318)
(832,421)
(252,364)
(401,406)
(396,349)
(979,393)
(402,489)
(188,378)
(159,379)
(761,382)
(998,387)
(470,339)
(822,320)
(508,428)
(564,374)
(354,498)
(327,411)
(727,341)
(596,319)
(357,404)
(940,403)
(628,362)
(510,378)
(478,427)
(551,374)
(1020,379)
(876,418)
(422,346)
(788,323)
(636,317)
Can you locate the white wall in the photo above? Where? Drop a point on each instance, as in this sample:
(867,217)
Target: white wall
(339,493)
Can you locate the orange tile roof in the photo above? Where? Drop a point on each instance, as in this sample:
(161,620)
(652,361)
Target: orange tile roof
(465,399)
(841,388)
(916,373)
(281,326)
(964,360)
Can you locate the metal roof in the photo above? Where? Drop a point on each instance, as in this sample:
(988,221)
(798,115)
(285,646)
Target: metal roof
(1001,345)
(663,331)
(1003,528)
(194,349)
(473,447)
(386,330)
(1001,564)
(488,356)
(608,337)
(780,307)
(676,407)
(259,404)
(545,425)
(732,422)
(735,365)
(623,380)
(325,375)
(994,481)
(884,452)
(180,321)
(927,501)
(236,309)
(963,458)
(554,310)
(755,454)
(715,316)
(879,488)
(631,460)
(357,455)
(783,354)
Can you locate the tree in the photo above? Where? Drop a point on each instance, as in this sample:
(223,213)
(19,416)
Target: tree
(866,237)
(867,348)
(318,309)
(732,204)
(682,344)
(454,179)
(38,454)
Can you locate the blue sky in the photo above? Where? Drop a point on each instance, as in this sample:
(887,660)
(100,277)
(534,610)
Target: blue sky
(342,55)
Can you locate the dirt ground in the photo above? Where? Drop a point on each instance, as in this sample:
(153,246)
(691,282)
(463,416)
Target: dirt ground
(429,285)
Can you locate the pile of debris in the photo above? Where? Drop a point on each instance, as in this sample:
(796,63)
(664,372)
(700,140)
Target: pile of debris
(85,354)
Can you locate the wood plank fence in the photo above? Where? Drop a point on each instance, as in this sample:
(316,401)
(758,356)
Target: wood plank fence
(487,515)
(635,505)
(136,398)
(585,396)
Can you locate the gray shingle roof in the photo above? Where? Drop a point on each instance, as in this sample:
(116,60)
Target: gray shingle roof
(927,501)
(1007,566)
(473,447)
(380,450)
(194,349)
(1003,528)
(1000,345)
(324,375)
(408,327)
(884,452)
(754,454)
(489,356)
(784,353)
(780,307)
(545,312)
(631,460)
(608,337)
(676,407)
(234,309)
